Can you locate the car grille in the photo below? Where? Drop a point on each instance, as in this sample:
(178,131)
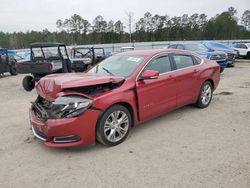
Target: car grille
(218,57)
(230,56)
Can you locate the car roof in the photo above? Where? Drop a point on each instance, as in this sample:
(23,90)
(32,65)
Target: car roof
(46,44)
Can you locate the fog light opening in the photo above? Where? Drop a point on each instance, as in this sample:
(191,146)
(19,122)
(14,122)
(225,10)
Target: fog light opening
(66,139)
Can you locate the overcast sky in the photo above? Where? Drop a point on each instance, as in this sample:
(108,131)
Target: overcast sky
(23,15)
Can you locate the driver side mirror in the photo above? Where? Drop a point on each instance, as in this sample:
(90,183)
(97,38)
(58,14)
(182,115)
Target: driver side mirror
(149,74)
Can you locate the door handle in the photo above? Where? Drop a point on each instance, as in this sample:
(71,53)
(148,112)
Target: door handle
(170,77)
(195,71)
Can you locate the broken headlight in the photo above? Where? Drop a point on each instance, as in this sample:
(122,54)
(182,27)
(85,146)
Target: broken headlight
(70,106)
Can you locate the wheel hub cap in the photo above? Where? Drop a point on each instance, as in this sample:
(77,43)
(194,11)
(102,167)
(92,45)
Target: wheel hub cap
(116,126)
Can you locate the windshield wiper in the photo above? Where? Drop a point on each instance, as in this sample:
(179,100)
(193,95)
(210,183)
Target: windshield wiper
(108,71)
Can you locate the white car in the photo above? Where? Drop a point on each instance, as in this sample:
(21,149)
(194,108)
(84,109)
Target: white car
(243,49)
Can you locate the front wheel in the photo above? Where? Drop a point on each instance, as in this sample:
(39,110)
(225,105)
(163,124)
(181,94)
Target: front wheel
(114,125)
(28,83)
(205,95)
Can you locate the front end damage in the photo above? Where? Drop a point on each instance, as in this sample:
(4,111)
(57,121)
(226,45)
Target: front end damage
(67,117)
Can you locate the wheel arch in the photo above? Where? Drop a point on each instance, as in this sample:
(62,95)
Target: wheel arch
(209,80)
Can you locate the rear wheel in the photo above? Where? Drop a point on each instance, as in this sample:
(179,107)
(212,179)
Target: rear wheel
(206,95)
(28,83)
(13,70)
(114,125)
(222,69)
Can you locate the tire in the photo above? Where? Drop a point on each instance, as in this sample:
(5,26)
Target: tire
(222,69)
(205,95)
(248,55)
(13,70)
(28,83)
(109,132)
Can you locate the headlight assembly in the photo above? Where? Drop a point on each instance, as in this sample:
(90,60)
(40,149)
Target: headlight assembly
(70,106)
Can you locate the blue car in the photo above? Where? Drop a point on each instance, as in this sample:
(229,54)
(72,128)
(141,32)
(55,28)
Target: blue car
(216,46)
(218,56)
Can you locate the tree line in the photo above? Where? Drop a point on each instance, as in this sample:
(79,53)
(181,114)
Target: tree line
(79,31)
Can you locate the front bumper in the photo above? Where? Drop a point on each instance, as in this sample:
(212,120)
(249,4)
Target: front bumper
(230,63)
(60,132)
(222,64)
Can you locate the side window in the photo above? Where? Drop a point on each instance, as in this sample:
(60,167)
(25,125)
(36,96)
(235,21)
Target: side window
(242,46)
(161,64)
(183,61)
(180,47)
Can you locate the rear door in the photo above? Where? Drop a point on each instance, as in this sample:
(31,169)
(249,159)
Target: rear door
(156,96)
(186,78)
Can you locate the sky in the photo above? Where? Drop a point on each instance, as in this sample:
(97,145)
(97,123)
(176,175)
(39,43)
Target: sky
(24,15)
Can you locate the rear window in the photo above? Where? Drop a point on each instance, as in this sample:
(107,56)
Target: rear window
(197,60)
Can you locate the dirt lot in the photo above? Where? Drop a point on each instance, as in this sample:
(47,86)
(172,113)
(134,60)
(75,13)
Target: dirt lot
(189,147)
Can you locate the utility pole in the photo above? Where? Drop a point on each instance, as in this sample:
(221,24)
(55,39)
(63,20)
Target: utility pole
(130,20)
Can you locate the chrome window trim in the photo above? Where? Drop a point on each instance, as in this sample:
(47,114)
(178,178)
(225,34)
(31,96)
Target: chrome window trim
(202,61)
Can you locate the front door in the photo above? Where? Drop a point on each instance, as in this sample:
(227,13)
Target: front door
(156,96)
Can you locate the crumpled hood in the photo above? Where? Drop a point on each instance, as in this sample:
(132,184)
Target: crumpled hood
(49,86)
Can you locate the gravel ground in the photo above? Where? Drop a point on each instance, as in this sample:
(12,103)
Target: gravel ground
(189,147)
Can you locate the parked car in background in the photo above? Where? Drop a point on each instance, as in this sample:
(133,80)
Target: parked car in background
(243,48)
(46,58)
(118,93)
(24,55)
(82,58)
(127,48)
(216,46)
(219,56)
(7,61)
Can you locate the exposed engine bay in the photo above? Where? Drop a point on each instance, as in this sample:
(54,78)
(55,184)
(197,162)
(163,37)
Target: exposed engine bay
(70,106)
(94,89)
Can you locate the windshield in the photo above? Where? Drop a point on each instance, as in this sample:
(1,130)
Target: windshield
(217,46)
(82,53)
(87,52)
(118,65)
(196,47)
(46,52)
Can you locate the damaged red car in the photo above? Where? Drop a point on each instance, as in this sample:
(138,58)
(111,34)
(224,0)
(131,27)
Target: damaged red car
(76,109)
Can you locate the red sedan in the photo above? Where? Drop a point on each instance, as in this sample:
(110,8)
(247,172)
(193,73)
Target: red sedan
(103,104)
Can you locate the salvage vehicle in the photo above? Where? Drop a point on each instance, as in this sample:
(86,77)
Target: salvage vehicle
(243,48)
(216,46)
(82,58)
(45,58)
(76,109)
(219,56)
(7,61)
